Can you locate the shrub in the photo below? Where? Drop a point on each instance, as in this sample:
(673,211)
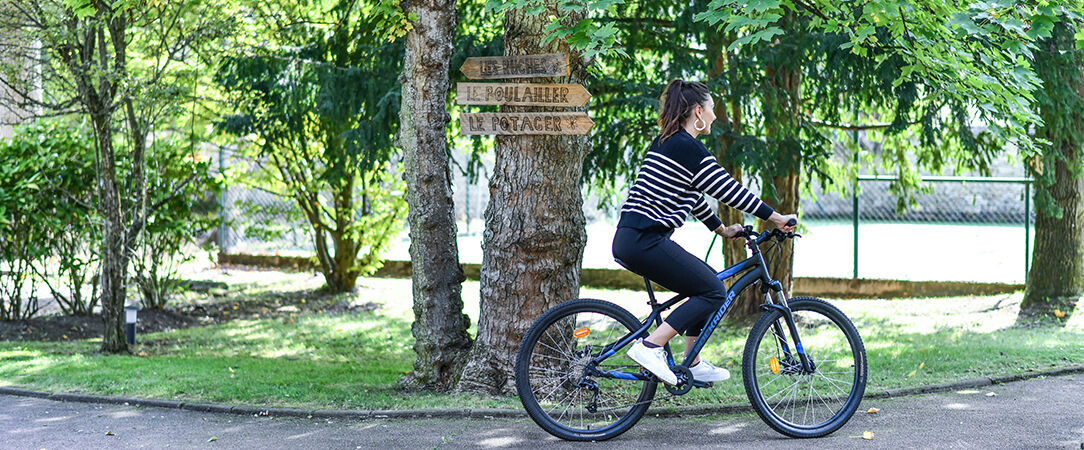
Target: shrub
(179,182)
(46,219)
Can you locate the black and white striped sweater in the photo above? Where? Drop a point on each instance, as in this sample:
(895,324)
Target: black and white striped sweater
(672,182)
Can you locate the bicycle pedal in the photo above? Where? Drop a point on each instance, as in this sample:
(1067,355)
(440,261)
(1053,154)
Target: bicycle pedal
(702,384)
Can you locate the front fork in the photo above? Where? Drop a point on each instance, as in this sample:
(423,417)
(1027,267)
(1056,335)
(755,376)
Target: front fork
(784,308)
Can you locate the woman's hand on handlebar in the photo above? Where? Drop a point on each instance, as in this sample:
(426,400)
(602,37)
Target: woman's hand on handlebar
(785,223)
(730,232)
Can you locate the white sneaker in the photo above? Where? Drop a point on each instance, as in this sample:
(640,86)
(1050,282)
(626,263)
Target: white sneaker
(706,372)
(652,359)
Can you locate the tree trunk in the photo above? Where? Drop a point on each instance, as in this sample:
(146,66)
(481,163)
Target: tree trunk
(782,105)
(115,250)
(339,262)
(114,265)
(729,112)
(785,201)
(534,236)
(344,277)
(1056,278)
(339,267)
(441,341)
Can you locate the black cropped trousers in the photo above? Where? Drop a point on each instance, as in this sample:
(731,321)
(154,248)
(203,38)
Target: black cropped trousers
(652,254)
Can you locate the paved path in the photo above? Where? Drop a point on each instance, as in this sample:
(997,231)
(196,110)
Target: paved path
(1039,413)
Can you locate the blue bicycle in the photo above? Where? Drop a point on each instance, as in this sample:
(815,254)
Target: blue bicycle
(804,365)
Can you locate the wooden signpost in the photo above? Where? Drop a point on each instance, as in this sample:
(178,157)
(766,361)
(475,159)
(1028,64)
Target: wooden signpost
(525,123)
(524,66)
(521,94)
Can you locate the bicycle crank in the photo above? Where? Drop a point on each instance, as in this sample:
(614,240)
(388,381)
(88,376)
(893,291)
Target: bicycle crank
(685,383)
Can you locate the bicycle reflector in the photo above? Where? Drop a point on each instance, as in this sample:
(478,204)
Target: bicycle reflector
(774,365)
(582,332)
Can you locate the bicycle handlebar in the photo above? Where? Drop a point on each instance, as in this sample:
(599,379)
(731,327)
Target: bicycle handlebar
(758,237)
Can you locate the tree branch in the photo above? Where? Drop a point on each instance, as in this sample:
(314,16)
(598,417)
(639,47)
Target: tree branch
(812,9)
(854,127)
(662,23)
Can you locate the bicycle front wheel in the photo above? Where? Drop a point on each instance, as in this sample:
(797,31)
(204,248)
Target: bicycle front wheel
(562,391)
(789,399)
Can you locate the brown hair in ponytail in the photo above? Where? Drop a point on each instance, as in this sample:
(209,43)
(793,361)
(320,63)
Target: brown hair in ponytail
(678,101)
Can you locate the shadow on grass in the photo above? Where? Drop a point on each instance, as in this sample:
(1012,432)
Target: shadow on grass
(352,361)
(904,359)
(346,361)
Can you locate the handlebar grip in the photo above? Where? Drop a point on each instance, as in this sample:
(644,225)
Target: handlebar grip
(792,222)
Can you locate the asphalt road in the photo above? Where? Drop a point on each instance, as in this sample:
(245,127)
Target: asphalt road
(1039,413)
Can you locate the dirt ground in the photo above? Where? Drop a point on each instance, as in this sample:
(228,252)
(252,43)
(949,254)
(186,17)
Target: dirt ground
(214,295)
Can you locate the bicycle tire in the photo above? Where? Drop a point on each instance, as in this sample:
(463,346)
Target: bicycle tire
(531,353)
(805,310)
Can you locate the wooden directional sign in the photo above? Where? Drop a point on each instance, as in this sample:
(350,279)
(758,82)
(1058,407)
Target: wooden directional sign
(521,94)
(525,123)
(525,66)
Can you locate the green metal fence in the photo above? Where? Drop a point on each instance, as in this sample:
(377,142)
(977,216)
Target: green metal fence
(996,207)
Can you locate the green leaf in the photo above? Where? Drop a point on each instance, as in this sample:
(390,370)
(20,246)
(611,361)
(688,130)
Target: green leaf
(964,21)
(81,8)
(765,35)
(762,5)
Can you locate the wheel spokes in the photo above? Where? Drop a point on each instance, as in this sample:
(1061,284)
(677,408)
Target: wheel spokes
(560,377)
(806,399)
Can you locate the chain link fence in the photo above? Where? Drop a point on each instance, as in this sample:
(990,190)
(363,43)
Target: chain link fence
(973,200)
(255,220)
(971,221)
(956,229)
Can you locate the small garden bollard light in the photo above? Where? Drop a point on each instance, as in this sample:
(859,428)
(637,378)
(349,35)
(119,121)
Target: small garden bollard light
(130,323)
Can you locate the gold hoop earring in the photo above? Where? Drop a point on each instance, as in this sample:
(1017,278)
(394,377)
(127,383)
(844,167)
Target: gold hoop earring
(700,128)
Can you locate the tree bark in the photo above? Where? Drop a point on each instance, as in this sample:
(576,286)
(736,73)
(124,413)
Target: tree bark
(115,249)
(728,110)
(114,266)
(96,57)
(338,262)
(785,201)
(534,237)
(1056,277)
(783,97)
(441,341)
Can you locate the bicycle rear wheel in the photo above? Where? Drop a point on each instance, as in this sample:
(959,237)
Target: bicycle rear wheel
(557,384)
(795,403)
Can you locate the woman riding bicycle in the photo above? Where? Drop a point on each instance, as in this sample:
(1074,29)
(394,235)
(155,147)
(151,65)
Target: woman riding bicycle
(677,171)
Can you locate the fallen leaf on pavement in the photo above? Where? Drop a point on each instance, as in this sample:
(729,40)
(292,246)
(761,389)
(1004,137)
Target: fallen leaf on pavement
(991,394)
(212,439)
(109,433)
(867,435)
(874,410)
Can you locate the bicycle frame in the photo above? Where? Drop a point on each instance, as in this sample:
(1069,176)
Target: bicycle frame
(756,270)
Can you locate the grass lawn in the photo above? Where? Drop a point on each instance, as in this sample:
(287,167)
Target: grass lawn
(351,360)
